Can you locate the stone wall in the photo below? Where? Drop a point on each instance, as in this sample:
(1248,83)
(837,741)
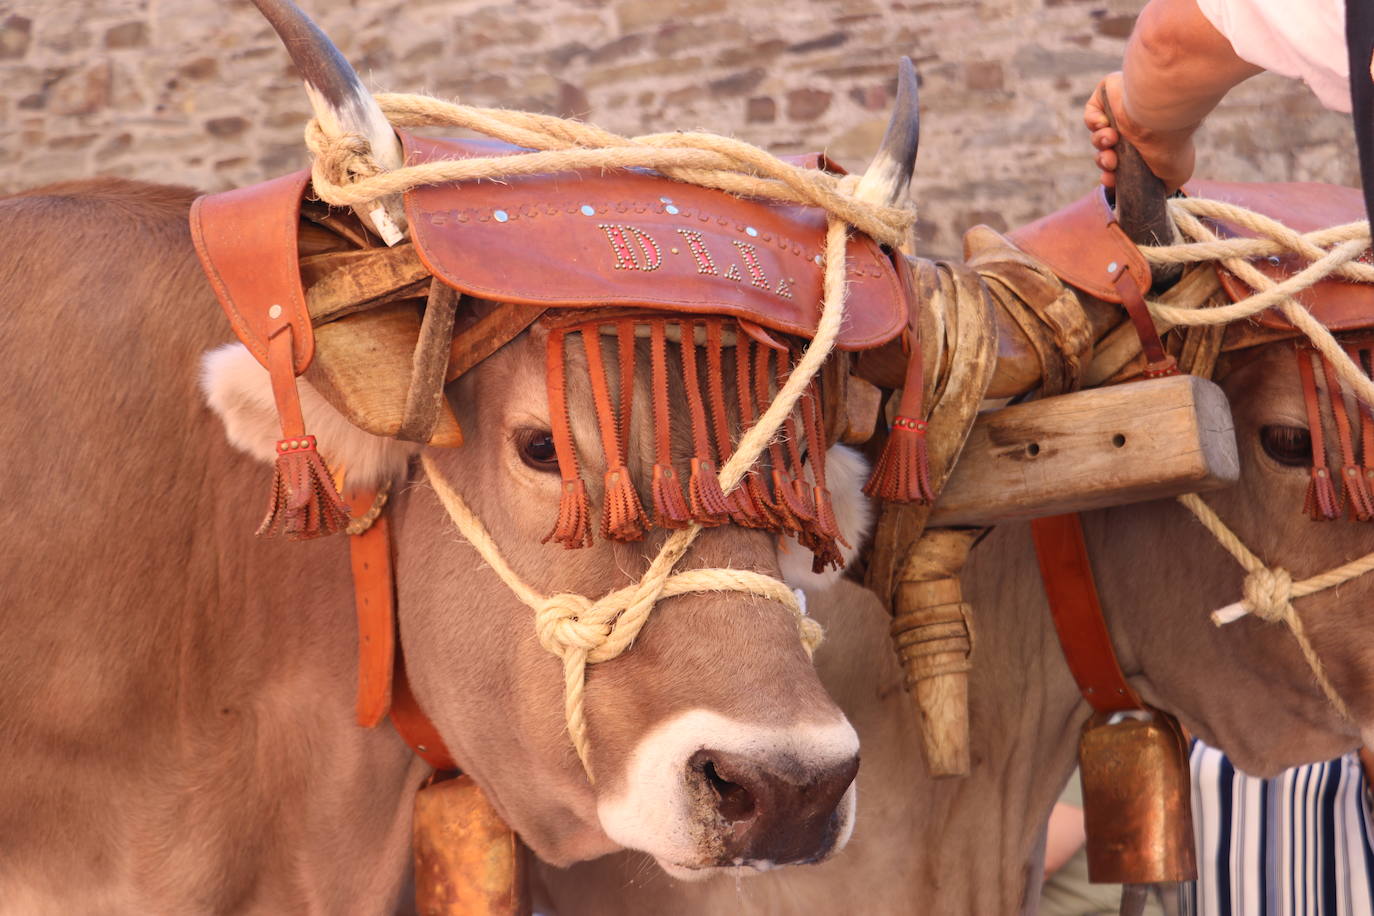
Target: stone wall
(200,92)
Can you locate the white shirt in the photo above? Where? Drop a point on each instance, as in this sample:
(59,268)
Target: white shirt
(1302,39)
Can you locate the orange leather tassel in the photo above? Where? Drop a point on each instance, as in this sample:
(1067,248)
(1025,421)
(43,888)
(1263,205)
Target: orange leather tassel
(785,503)
(304,502)
(826,545)
(902,473)
(573,528)
(707,500)
(670,508)
(622,516)
(1356,493)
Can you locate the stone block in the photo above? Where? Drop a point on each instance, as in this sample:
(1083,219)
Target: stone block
(761,110)
(807,104)
(132,34)
(16,32)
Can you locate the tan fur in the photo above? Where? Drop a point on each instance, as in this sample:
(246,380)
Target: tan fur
(973,846)
(177,734)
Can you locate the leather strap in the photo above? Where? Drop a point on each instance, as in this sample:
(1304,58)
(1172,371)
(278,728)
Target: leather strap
(379,652)
(1158,362)
(375,597)
(1077,612)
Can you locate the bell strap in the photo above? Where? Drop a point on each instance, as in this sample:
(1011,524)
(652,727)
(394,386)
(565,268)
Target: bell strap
(1072,592)
(382,684)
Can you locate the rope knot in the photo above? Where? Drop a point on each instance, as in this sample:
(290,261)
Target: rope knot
(564,623)
(1269,593)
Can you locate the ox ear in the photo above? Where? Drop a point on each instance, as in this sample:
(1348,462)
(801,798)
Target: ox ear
(846,470)
(239,390)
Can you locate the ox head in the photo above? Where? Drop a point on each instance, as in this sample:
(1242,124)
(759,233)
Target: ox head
(1245,687)
(712,742)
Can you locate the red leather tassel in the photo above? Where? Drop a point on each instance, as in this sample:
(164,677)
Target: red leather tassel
(1322,503)
(670,508)
(826,545)
(902,473)
(758,495)
(573,528)
(745,509)
(705,496)
(622,515)
(304,502)
(785,504)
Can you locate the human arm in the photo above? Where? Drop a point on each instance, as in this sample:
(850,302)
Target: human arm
(1064,836)
(1176,70)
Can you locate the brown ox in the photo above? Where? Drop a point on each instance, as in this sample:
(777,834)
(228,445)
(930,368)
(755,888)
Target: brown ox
(178,732)
(974,845)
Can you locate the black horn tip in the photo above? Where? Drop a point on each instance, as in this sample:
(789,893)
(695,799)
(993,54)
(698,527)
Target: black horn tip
(320,63)
(904,132)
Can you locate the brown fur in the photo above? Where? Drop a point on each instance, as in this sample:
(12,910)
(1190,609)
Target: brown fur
(974,846)
(177,732)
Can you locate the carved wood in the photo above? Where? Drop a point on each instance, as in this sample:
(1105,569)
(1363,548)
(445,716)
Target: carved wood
(1092,449)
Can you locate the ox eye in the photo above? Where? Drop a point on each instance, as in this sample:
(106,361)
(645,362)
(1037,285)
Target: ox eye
(536,449)
(1288,445)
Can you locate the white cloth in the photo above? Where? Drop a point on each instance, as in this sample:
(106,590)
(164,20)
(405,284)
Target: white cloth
(1302,39)
(1299,844)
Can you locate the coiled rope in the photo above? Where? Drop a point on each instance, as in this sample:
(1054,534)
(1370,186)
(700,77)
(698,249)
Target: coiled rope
(1331,253)
(577,629)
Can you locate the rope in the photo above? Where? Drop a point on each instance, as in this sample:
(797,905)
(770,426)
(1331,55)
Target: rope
(577,629)
(1348,243)
(1269,592)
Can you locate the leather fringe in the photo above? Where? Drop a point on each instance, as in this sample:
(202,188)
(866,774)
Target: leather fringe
(622,516)
(704,495)
(670,508)
(304,503)
(902,473)
(1323,502)
(573,529)
(1357,497)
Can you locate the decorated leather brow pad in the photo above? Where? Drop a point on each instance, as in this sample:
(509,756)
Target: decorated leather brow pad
(634,238)
(641,453)
(1302,207)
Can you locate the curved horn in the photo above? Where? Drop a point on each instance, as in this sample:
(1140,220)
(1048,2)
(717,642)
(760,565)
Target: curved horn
(341,102)
(889,174)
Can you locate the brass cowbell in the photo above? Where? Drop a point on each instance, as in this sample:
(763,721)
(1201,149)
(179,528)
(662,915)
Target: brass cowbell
(1137,799)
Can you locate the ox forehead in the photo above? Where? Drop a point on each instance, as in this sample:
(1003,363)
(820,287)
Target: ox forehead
(633,238)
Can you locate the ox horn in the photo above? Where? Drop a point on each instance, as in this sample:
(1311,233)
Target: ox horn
(889,175)
(341,103)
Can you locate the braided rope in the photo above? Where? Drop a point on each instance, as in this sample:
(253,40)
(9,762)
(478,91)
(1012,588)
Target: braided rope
(579,630)
(1270,591)
(1348,243)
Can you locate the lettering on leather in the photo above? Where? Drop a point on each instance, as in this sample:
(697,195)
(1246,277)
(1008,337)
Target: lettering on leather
(637,239)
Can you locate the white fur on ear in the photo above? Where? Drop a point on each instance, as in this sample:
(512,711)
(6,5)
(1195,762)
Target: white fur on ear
(239,389)
(845,471)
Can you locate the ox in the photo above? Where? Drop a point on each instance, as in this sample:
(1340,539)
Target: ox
(974,845)
(179,733)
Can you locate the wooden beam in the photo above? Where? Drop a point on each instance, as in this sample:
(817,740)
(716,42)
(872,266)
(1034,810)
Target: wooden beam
(1092,449)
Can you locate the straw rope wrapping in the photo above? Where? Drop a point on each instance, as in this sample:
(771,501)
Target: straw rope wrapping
(579,630)
(1270,591)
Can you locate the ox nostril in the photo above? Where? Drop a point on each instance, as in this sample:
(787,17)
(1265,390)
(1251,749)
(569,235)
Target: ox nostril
(733,801)
(779,811)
